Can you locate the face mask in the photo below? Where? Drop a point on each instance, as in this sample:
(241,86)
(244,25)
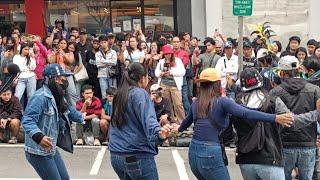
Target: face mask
(158,94)
(64,84)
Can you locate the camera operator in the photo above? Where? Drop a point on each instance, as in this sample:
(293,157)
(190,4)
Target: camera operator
(170,72)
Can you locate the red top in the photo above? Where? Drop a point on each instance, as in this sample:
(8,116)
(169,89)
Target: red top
(94,108)
(183,55)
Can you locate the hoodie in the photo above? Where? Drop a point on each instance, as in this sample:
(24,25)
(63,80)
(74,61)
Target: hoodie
(300,97)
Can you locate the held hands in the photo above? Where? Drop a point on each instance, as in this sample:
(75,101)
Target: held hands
(165,131)
(285,119)
(175,127)
(46,143)
(165,74)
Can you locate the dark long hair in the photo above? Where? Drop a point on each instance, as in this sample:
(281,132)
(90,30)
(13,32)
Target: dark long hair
(208,91)
(58,94)
(23,45)
(130,49)
(129,79)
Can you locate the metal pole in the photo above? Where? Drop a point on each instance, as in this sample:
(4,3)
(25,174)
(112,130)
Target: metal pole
(142,16)
(240,43)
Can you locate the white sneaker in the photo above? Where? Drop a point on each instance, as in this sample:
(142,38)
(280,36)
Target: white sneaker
(96,142)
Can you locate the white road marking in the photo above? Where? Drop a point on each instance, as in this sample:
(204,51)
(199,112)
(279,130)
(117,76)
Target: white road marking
(97,163)
(180,165)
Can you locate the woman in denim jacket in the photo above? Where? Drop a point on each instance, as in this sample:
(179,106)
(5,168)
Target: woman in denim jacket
(46,123)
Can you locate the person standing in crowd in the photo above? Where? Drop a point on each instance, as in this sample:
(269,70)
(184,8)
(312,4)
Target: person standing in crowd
(66,58)
(312,67)
(27,78)
(83,45)
(299,145)
(266,62)
(133,53)
(276,48)
(248,60)
(302,54)
(219,48)
(183,54)
(151,61)
(92,68)
(106,60)
(91,106)
(170,72)
(106,114)
(292,48)
(317,52)
(6,58)
(312,44)
(134,131)
(40,53)
(10,115)
(59,31)
(48,108)
(207,60)
(74,31)
(228,65)
(209,115)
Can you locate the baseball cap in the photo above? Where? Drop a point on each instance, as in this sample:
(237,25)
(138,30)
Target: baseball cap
(83,31)
(247,44)
(155,87)
(288,63)
(250,79)
(209,75)
(228,44)
(262,53)
(54,70)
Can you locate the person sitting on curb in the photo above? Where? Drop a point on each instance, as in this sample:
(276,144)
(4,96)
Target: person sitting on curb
(92,107)
(106,113)
(10,114)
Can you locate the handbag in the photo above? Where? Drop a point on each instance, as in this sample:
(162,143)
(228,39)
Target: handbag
(64,137)
(82,75)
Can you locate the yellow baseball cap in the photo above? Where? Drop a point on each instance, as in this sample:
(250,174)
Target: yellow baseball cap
(209,75)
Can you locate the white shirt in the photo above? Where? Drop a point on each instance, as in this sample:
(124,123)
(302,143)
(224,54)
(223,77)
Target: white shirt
(228,66)
(135,55)
(27,71)
(104,61)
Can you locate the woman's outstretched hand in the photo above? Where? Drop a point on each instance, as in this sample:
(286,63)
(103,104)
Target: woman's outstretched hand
(285,119)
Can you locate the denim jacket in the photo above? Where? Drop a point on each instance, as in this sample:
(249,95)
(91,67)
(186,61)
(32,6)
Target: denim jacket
(41,115)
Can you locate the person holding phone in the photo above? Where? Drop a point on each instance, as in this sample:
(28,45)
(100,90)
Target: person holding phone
(170,72)
(48,108)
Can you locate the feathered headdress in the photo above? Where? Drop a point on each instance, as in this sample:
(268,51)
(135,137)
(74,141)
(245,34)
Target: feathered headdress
(263,32)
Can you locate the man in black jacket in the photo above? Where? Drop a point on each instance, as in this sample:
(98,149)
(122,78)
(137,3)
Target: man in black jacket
(300,97)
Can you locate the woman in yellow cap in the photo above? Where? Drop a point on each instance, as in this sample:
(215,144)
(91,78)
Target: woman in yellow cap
(209,114)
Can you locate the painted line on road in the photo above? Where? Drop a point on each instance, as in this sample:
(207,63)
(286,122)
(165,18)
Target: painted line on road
(180,165)
(97,163)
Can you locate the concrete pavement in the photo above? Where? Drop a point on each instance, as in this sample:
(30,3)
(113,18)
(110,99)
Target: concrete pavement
(94,163)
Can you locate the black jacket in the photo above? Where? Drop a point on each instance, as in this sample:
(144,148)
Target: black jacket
(300,97)
(271,154)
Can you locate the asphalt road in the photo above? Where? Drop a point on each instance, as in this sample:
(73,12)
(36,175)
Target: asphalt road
(94,163)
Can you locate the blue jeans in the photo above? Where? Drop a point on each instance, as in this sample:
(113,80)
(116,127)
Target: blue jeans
(48,167)
(29,84)
(302,158)
(141,169)
(260,171)
(185,96)
(105,83)
(206,162)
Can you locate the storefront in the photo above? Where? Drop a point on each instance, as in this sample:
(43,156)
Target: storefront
(98,17)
